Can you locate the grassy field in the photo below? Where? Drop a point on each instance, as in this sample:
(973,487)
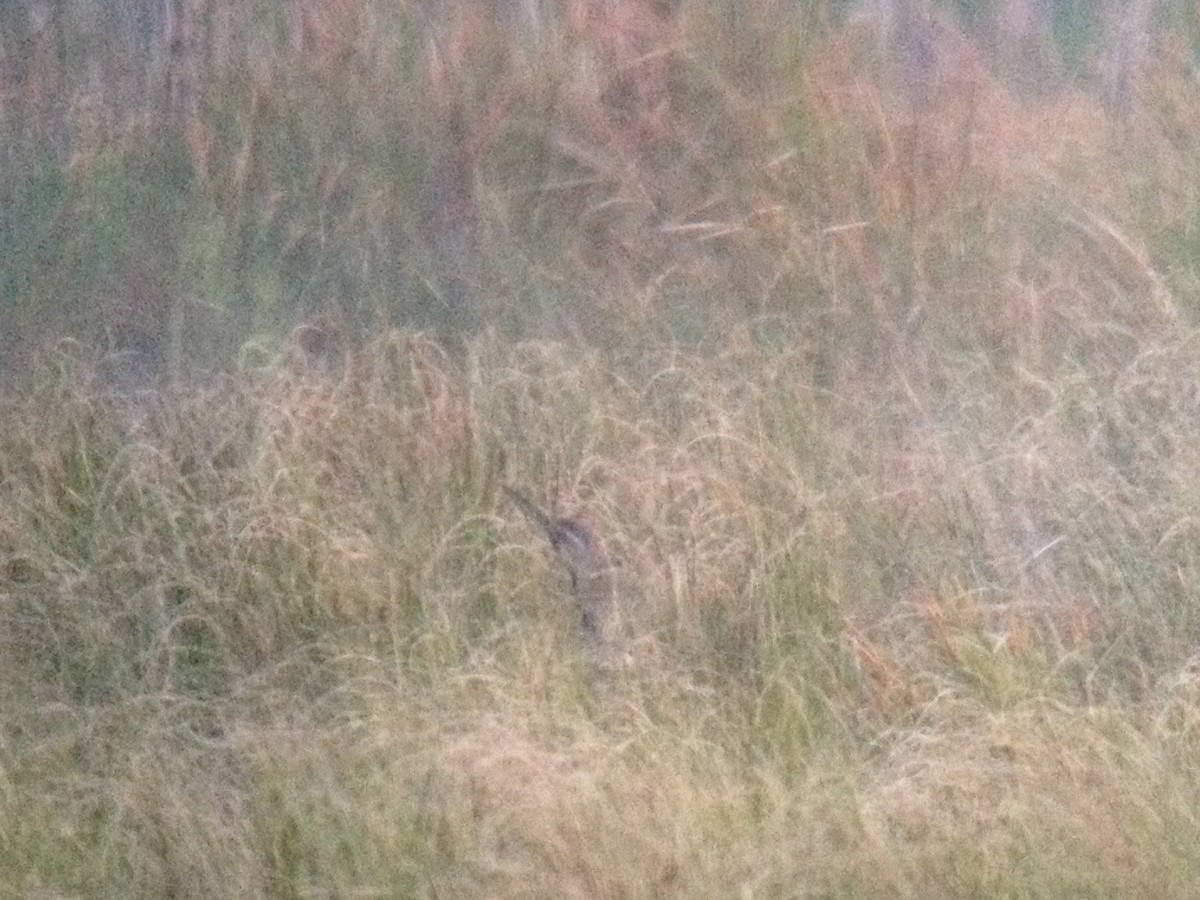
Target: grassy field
(879,380)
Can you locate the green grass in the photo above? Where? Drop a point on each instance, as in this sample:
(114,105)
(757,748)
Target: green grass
(886,416)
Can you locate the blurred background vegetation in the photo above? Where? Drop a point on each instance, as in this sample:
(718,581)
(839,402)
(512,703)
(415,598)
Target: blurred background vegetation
(181,174)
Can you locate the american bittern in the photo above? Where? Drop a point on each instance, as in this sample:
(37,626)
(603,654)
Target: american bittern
(583,552)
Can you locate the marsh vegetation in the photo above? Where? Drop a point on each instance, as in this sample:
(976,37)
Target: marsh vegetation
(875,368)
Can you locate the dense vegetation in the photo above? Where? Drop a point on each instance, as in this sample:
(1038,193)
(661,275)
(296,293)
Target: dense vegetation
(865,336)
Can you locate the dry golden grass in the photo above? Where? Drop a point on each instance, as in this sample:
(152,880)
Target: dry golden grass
(280,635)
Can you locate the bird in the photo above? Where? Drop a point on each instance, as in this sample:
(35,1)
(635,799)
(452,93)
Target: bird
(583,553)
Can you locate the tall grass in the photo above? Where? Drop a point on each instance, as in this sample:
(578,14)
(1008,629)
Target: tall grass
(877,380)
(284,627)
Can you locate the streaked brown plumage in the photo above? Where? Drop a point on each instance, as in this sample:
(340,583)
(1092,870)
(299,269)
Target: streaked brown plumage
(581,549)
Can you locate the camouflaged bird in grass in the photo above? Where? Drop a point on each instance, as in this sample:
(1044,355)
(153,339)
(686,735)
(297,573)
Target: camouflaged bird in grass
(581,549)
